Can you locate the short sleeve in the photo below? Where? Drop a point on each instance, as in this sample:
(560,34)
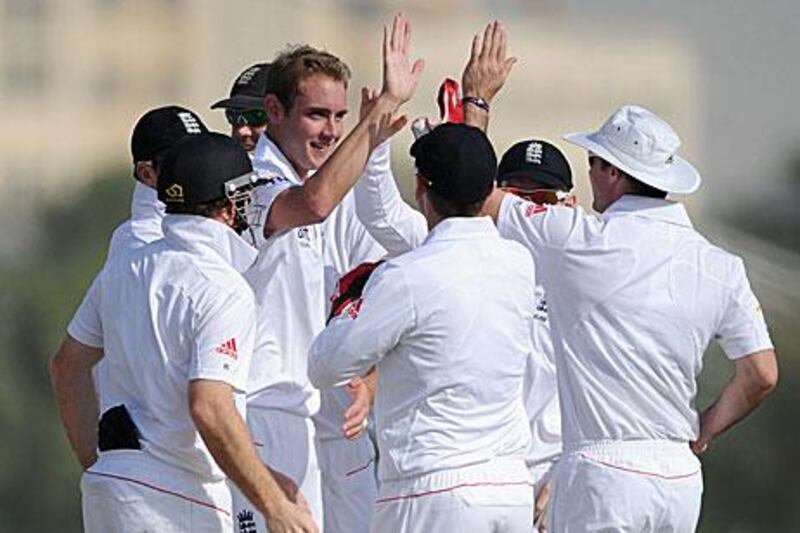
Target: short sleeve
(743,329)
(542,229)
(86,326)
(224,338)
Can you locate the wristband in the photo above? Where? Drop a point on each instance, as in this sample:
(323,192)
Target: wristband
(476,101)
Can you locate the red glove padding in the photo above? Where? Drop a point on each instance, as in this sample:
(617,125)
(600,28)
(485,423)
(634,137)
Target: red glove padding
(451,109)
(350,287)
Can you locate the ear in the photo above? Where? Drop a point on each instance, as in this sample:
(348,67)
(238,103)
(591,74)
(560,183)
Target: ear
(571,201)
(275,109)
(146,174)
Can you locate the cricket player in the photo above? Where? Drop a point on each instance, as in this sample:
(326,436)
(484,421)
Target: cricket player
(449,327)
(532,169)
(307,244)
(174,323)
(154,133)
(635,296)
(244,108)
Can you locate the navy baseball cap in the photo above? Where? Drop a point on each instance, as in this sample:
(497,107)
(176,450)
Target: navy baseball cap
(538,161)
(458,161)
(159,129)
(196,169)
(248,90)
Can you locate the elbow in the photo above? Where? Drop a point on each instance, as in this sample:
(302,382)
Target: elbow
(203,412)
(319,207)
(768,379)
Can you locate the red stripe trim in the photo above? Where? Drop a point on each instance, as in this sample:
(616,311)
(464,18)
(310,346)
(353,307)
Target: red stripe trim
(454,487)
(640,472)
(159,489)
(359,469)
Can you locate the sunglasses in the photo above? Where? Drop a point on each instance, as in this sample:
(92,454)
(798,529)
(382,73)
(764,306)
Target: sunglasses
(248,117)
(539,196)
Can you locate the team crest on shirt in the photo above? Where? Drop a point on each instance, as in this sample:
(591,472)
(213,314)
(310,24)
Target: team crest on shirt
(247,523)
(228,348)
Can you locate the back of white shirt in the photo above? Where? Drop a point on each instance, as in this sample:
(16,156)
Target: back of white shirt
(172,312)
(635,296)
(449,326)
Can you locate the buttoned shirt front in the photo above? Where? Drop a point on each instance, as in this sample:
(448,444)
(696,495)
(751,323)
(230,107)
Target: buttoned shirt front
(635,296)
(174,311)
(449,327)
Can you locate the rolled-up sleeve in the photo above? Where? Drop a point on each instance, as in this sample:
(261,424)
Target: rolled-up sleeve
(364,332)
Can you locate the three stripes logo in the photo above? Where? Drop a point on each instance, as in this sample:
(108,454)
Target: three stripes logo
(228,348)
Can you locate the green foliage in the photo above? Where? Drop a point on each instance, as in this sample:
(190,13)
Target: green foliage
(39,479)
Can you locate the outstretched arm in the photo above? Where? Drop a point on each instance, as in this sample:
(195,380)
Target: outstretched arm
(485,73)
(320,194)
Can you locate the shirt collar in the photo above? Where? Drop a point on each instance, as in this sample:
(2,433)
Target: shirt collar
(652,208)
(145,204)
(460,228)
(207,236)
(268,159)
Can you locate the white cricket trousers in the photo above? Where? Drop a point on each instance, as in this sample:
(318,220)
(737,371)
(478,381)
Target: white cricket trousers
(491,497)
(349,486)
(130,491)
(285,442)
(636,486)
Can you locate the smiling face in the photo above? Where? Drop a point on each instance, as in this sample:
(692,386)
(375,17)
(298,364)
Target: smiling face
(308,133)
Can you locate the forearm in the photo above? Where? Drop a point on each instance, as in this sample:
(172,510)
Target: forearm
(744,392)
(328,186)
(228,439)
(71,378)
(371,381)
(475,116)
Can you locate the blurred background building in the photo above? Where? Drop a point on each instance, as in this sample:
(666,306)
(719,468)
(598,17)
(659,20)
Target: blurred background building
(76,74)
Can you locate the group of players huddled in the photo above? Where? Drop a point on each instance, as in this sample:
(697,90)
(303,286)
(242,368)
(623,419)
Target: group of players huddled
(278,342)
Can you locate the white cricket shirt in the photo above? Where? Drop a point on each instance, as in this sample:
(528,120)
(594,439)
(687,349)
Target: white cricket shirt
(449,327)
(143,227)
(174,311)
(400,228)
(293,277)
(635,296)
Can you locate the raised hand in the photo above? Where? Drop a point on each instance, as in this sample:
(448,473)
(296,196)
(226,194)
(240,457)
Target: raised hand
(400,76)
(488,67)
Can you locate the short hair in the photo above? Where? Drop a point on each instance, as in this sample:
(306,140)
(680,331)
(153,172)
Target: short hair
(297,63)
(448,208)
(638,187)
(208,209)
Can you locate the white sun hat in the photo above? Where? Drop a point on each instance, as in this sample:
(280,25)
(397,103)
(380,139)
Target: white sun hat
(641,144)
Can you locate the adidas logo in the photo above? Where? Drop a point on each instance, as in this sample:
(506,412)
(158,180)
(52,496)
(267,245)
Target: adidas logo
(228,348)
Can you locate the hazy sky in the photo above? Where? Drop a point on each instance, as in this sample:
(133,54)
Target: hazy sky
(748,52)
